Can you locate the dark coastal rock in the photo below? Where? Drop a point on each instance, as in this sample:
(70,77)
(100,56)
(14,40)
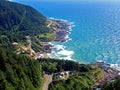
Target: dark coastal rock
(63,28)
(109,73)
(60,36)
(47,48)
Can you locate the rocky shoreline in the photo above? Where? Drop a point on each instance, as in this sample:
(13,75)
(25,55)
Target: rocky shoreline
(61,31)
(109,74)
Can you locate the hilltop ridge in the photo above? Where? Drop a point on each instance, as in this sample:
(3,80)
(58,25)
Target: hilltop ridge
(18,21)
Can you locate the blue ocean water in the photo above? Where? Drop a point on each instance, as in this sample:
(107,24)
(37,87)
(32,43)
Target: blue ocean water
(96,35)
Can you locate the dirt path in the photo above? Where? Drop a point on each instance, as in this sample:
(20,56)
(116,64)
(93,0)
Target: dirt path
(49,24)
(48,80)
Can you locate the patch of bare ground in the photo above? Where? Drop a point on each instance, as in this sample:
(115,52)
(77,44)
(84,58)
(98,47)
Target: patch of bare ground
(48,80)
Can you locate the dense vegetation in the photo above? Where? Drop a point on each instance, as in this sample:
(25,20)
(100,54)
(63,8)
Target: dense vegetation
(114,85)
(55,65)
(18,72)
(22,19)
(82,77)
(73,83)
(18,21)
(22,73)
(46,37)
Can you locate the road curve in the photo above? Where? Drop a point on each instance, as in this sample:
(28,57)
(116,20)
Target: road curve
(48,80)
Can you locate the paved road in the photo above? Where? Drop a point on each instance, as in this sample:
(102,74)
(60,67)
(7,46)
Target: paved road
(48,80)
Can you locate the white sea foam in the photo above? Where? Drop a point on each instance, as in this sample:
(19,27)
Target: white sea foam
(60,52)
(58,47)
(50,43)
(99,60)
(66,53)
(67,38)
(116,66)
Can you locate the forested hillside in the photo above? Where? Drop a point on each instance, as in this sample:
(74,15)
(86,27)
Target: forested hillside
(23,29)
(81,77)
(22,19)
(18,21)
(18,72)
